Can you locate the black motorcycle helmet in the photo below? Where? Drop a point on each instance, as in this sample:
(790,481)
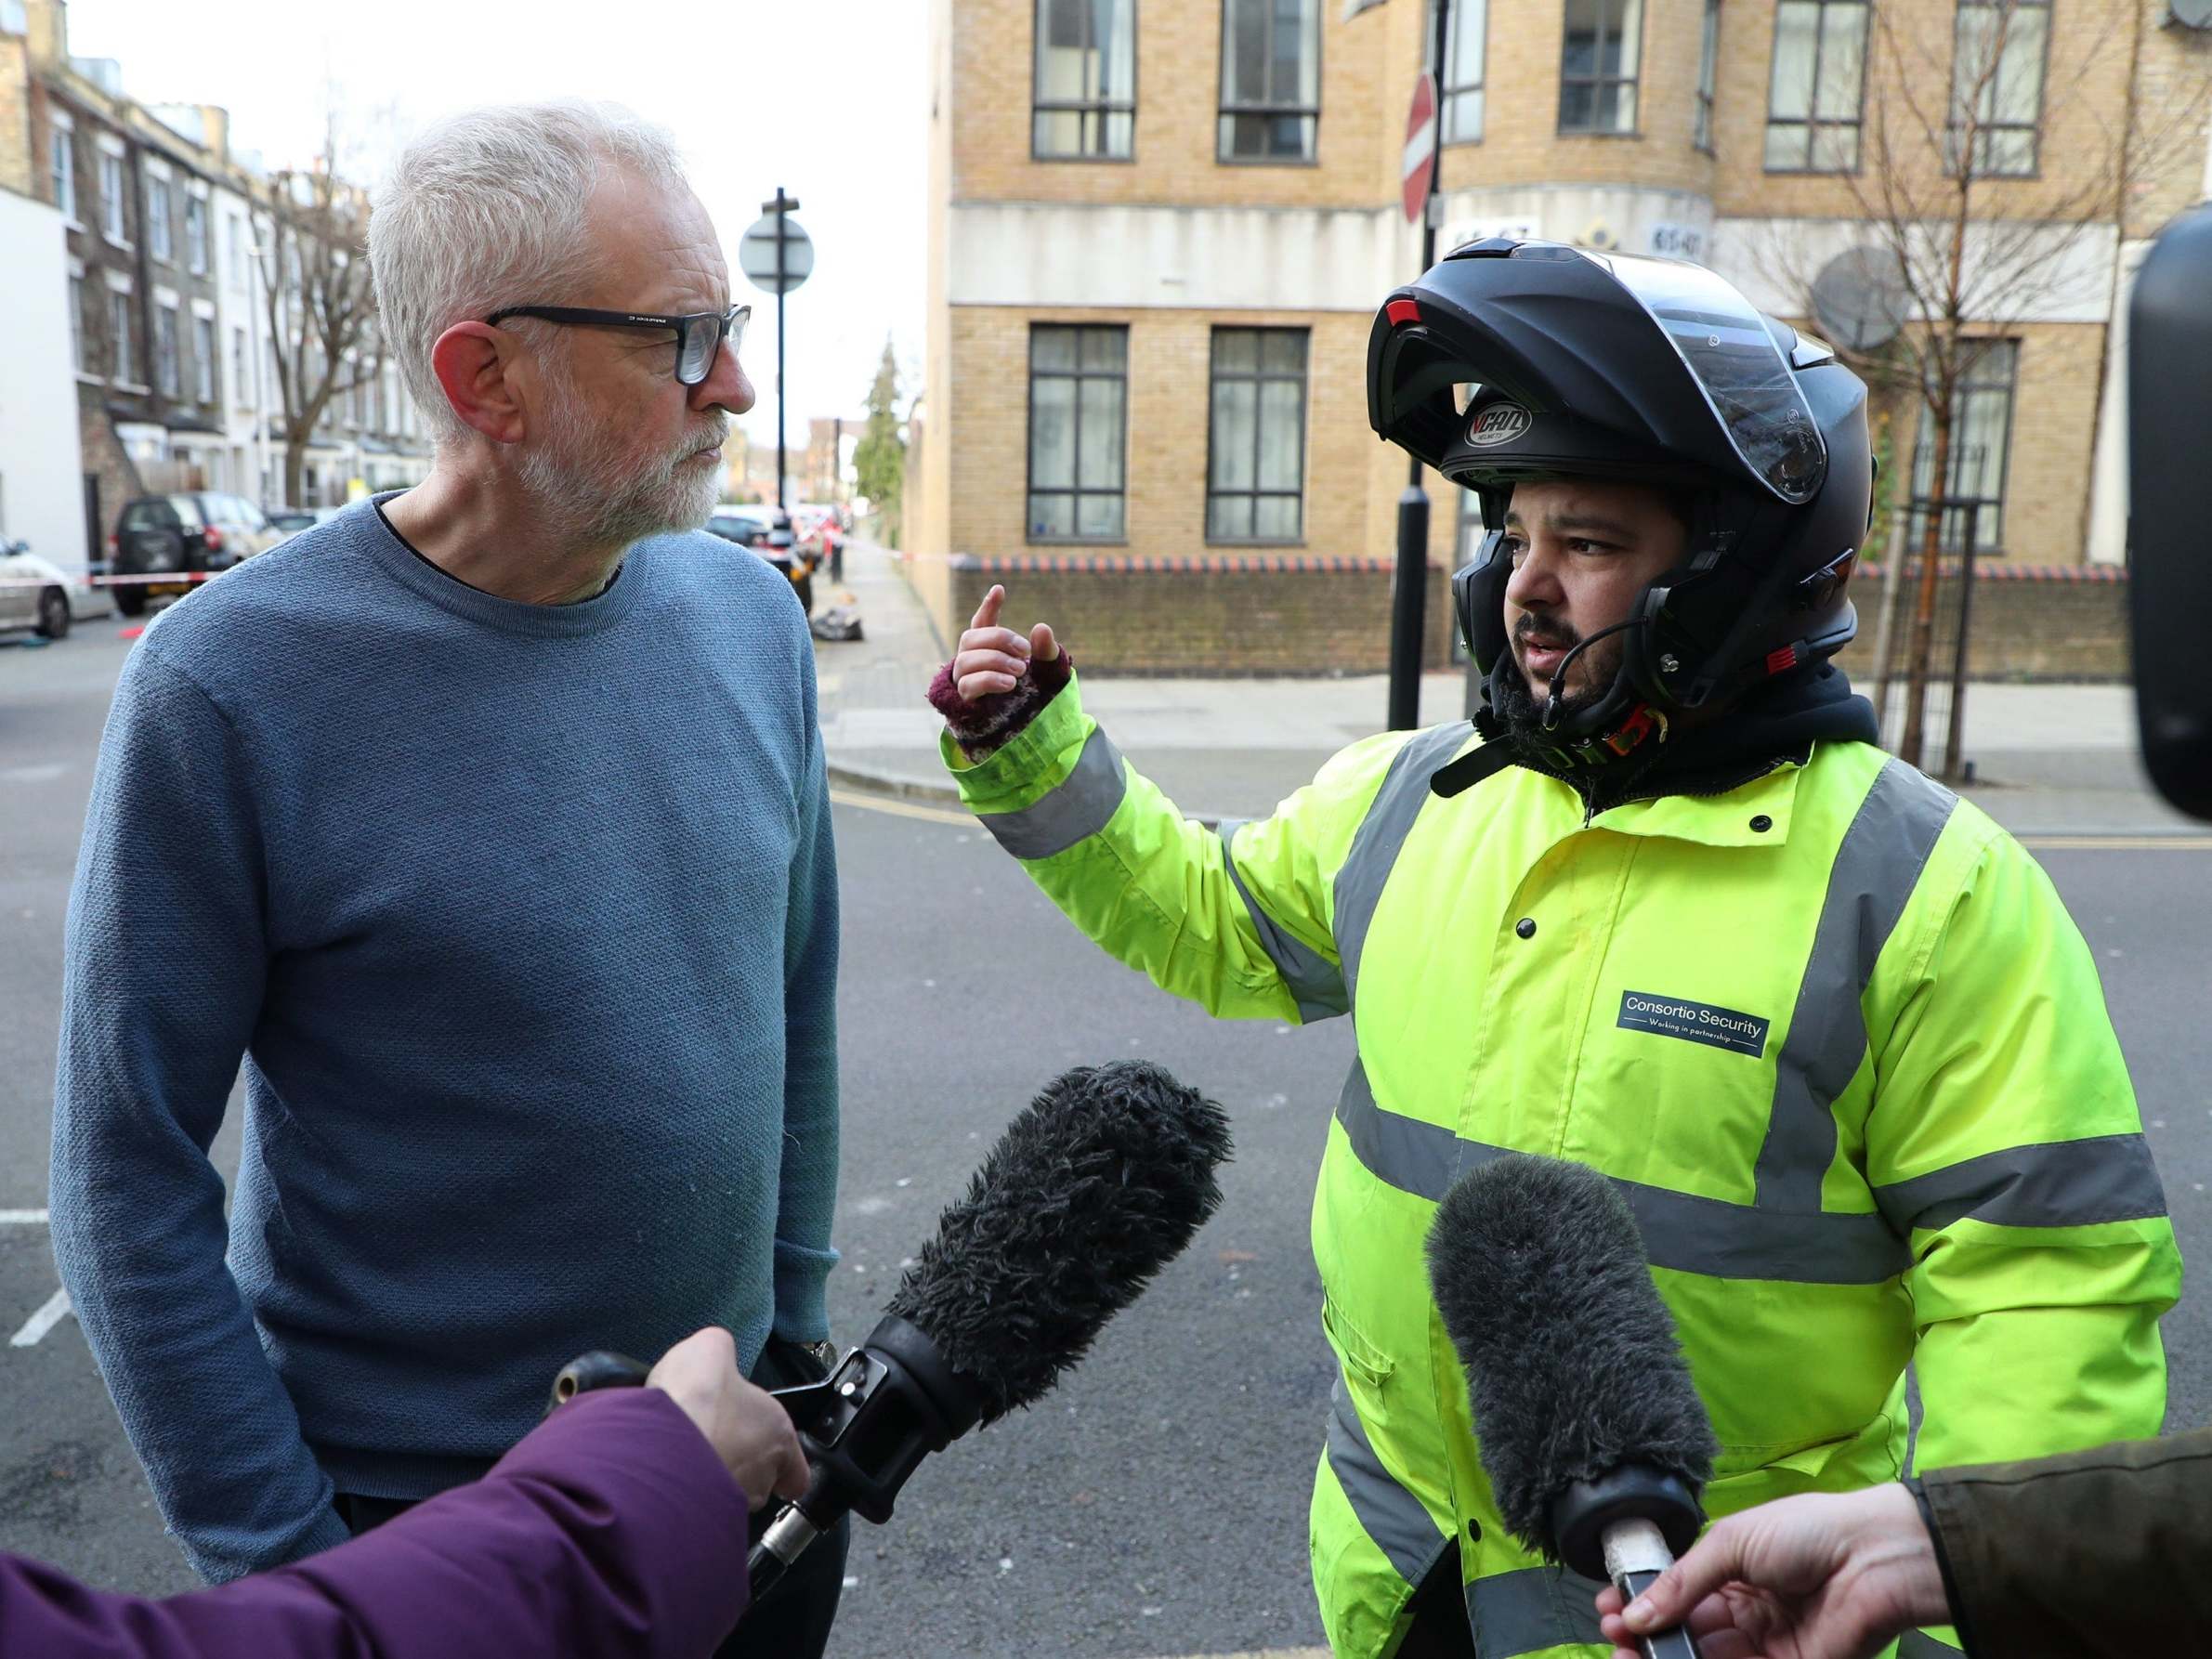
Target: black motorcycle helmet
(1515,361)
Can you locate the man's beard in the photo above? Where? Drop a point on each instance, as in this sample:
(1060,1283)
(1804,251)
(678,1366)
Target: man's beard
(1521,707)
(593,493)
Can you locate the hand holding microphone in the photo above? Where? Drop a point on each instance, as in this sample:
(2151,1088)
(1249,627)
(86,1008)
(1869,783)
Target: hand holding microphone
(1817,1576)
(1589,1427)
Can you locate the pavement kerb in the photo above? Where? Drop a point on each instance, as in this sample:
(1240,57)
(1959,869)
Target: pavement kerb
(896,785)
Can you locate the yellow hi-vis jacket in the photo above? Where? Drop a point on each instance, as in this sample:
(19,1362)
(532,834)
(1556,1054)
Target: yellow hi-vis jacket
(1832,1032)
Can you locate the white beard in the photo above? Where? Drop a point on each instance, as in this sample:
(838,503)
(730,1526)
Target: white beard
(592,491)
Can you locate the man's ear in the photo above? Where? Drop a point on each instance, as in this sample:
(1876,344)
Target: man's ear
(472,362)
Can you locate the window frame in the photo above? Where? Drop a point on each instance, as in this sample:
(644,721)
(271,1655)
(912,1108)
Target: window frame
(1991,513)
(61,169)
(205,343)
(160,239)
(1983,129)
(1600,80)
(195,232)
(1225,111)
(168,368)
(1076,490)
(1812,125)
(1099,109)
(113,224)
(1259,376)
(119,337)
(1448,95)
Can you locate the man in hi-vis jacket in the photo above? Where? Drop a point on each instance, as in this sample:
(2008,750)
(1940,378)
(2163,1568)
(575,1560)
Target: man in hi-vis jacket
(1663,909)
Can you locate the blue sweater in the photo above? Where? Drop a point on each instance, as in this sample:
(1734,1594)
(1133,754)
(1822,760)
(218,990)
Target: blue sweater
(523,920)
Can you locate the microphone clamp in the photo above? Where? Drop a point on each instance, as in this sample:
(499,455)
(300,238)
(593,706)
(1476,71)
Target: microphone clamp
(1581,1514)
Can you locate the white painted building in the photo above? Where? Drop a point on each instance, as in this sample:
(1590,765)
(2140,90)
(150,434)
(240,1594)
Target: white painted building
(41,492)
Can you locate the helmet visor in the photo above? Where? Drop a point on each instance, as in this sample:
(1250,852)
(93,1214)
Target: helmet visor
(1745,380)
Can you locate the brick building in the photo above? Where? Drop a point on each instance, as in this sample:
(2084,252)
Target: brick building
(162,287)
(1159,233)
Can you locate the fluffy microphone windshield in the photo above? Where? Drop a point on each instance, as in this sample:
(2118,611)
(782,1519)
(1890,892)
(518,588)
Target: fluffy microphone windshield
(1096,1185)
(1571,1356)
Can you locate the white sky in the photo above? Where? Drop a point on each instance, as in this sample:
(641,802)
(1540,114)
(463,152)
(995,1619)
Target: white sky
(829,98)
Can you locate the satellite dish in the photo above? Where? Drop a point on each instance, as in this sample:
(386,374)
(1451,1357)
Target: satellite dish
(2192,14)
(1860,298)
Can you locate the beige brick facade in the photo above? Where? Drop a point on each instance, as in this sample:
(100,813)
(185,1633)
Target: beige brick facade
(2111,69)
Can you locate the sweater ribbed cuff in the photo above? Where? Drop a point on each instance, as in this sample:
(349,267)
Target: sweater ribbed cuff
(982,727)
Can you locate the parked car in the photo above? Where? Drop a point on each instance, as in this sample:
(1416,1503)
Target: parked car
(188,536)
(290,521)
(768,532)
(39,594)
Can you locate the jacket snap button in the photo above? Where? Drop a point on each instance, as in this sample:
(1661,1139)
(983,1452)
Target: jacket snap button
(1526,927)
(1761,824)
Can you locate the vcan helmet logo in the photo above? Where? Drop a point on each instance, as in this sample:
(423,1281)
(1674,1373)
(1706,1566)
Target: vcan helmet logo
(1500,423)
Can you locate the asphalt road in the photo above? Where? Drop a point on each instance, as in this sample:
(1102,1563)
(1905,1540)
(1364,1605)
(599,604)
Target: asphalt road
(1156,1504)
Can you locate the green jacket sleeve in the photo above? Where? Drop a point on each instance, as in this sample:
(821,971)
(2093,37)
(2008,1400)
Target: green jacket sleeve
(1236,919)
(2099,1552)
(2006,1147)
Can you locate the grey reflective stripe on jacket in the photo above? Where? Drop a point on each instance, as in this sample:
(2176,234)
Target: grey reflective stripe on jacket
(1877,866)
(1686,1232)
(1531,1609)
(1077,809)
(2052,1183)
(1398,1522)
(1311,977)
(1381,833)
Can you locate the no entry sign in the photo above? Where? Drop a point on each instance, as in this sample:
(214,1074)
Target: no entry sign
(1421,146)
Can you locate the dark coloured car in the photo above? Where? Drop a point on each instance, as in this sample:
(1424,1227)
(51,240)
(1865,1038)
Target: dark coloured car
(768,532)
(171,543)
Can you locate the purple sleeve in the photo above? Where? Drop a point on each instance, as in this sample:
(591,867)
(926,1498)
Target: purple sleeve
(612,1528)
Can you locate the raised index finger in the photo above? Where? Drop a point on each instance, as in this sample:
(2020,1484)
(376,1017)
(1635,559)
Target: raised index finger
(986,614)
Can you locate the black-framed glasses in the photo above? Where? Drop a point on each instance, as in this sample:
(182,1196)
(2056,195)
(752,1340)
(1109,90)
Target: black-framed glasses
(698,335)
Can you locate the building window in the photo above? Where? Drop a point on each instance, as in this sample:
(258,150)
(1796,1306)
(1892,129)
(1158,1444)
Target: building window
(241,358)
(195,235)
(1079,404)
(238,252)
(1708,68)
(157,218)
(1271,80)
(111,196)
(164,350)
(1814,94)
(1597,66)
(1981,444)
(77,323)
(1084,100)
(119,334)
(64,162)
(1255,471)
(1998,50)
(203,358)
(1460,85)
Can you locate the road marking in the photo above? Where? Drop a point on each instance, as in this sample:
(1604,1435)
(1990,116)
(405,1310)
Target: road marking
(22,1218)
(904,809)
(1266,1653)
(39,1324)
(2117,843)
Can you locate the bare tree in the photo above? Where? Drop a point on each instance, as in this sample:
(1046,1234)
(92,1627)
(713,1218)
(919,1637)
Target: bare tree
(1983,218)
(321,305)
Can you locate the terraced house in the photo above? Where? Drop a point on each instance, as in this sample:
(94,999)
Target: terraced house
(1159,233)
